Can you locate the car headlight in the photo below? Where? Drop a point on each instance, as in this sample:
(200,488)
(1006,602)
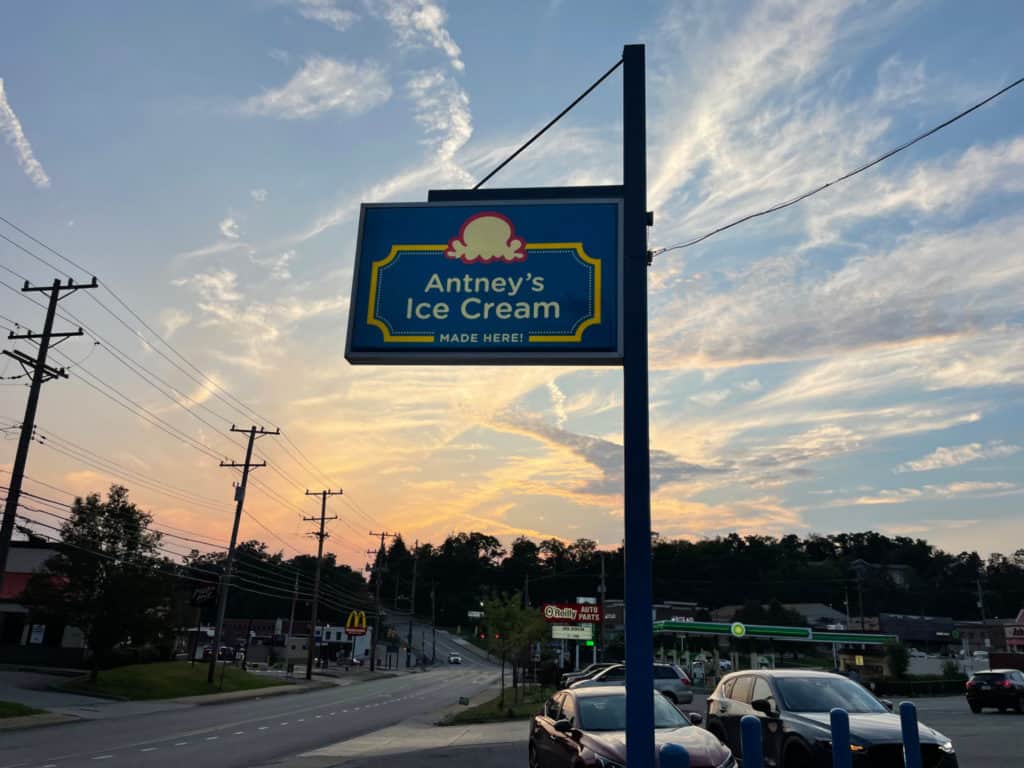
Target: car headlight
(607,762)
(947,747)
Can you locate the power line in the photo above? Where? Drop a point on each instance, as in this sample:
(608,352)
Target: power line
(844,177)
(553,120)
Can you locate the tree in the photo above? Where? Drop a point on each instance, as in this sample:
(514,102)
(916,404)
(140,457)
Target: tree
(511,630)
(105,579)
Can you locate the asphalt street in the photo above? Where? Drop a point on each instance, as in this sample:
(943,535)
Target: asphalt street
(247,733)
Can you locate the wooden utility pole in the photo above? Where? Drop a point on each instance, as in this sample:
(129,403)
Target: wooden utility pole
(41,373)
(225,580)
(412,603)
(320,536)
(378,570)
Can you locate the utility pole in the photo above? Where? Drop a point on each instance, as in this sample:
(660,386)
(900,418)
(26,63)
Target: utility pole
(600,627)
(377,571)
(433,624)
(225,581)
(412,603)
(295,598)
(846,588)
(981,603)
(316,578)
(860,597)
(41,373)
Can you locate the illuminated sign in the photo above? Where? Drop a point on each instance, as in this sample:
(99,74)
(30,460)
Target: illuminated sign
(571,613)
(522,281)
(355,624)
(570,632)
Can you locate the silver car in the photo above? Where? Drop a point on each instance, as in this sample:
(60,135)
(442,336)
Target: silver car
(669,680)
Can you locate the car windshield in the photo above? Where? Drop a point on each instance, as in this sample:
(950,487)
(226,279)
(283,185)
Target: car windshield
(608,713)
(822,694)
(989,677)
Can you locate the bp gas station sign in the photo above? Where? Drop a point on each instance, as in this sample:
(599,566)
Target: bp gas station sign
(529,281)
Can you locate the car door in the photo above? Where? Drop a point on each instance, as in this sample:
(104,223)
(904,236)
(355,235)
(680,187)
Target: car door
(771,725)
(565,749)
(736,707)
(544,733)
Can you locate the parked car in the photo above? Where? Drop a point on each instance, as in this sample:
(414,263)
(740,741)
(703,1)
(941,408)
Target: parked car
(585,728)
(1001,689)
(794,707)
(454,658)
(589,671)
(669,680)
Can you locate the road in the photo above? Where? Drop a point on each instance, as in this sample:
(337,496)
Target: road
(988,738)
(247,733)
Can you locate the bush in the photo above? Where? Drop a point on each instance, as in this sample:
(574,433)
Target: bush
(899,660)
(951,671)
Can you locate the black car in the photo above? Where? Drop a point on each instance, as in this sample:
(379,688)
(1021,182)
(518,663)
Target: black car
(1001,689)
(586,728)
(794,707)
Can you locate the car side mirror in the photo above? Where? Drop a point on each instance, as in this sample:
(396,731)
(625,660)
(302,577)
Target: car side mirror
(887,704)
(696,718)
(563,726)
(762,706)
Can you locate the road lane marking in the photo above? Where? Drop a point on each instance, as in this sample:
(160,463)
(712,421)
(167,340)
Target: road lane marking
(102,757)
(285,723)
(149,749)
(263,727)
(212,738)
(301,720)
(319,716)
(333,714)
(238,733)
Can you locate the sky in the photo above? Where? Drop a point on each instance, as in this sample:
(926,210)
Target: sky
(853,362)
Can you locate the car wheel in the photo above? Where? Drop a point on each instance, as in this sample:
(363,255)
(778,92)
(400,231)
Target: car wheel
(975,708)
(671,697)
(797,756)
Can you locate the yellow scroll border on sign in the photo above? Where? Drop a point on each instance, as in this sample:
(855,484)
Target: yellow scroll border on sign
(575,338)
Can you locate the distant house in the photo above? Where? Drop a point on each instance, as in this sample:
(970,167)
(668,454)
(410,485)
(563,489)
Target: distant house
(899,574)
(22,639)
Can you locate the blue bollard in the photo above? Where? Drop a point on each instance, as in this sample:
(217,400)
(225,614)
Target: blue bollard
(842,757)
(673,756)
(911,736)
(750,742)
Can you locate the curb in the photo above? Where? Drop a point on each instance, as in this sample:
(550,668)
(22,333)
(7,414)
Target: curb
(36,721)
(289,689)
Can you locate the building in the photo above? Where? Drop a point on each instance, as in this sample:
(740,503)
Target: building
(23,640)
(930,631)
(984,635)
(669,610)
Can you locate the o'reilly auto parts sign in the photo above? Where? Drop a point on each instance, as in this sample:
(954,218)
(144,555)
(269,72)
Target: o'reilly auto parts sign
(571,613)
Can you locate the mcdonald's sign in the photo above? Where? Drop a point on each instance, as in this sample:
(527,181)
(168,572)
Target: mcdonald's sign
(355,624)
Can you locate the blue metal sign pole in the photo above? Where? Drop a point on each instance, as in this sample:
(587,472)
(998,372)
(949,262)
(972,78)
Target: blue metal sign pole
(636,439)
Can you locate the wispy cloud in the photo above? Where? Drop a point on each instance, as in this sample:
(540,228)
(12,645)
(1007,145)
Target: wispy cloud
(229,228)
(259,195)
(221,246)
(418,23)
(956,456)
(442,108)
(173,320)
(904,495)
(324,85)
(10,125)
(327,12)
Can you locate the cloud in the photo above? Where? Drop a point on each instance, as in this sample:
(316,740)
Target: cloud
(442,108)
(904,495)
(900,82)
(172,320)
(10,126)
(486,237)
(324,85)
(221,246)
(229,228)
(711,398)
(558,404)
(421,22)
(753,385)
(958,455)
(327,12)
(279,265)
(259,195)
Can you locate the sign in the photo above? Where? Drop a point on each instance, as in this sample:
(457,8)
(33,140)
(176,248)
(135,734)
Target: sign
(571,613)
(37,633)
(203,595)
(737,629)
(570,632)
(475,614)
(528,281)
(355,624)
(858,661)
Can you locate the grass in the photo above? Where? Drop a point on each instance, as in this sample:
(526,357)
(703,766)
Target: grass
(168,680)
(530,701)
(10,709)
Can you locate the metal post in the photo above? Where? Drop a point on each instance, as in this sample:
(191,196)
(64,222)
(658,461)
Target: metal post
(750,741)
(911,736)
(842,757)
(636,438)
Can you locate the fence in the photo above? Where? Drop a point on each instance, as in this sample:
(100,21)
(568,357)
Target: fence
(676,756)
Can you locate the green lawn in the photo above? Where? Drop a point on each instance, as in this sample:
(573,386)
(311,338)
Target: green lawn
(10,709)
(530,701)
(168,680)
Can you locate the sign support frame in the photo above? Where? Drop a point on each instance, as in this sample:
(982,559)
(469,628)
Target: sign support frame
(636,417)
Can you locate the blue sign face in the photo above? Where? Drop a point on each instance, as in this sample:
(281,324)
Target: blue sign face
(533,281)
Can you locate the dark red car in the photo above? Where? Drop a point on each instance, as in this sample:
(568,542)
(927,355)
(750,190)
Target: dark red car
(586,728)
